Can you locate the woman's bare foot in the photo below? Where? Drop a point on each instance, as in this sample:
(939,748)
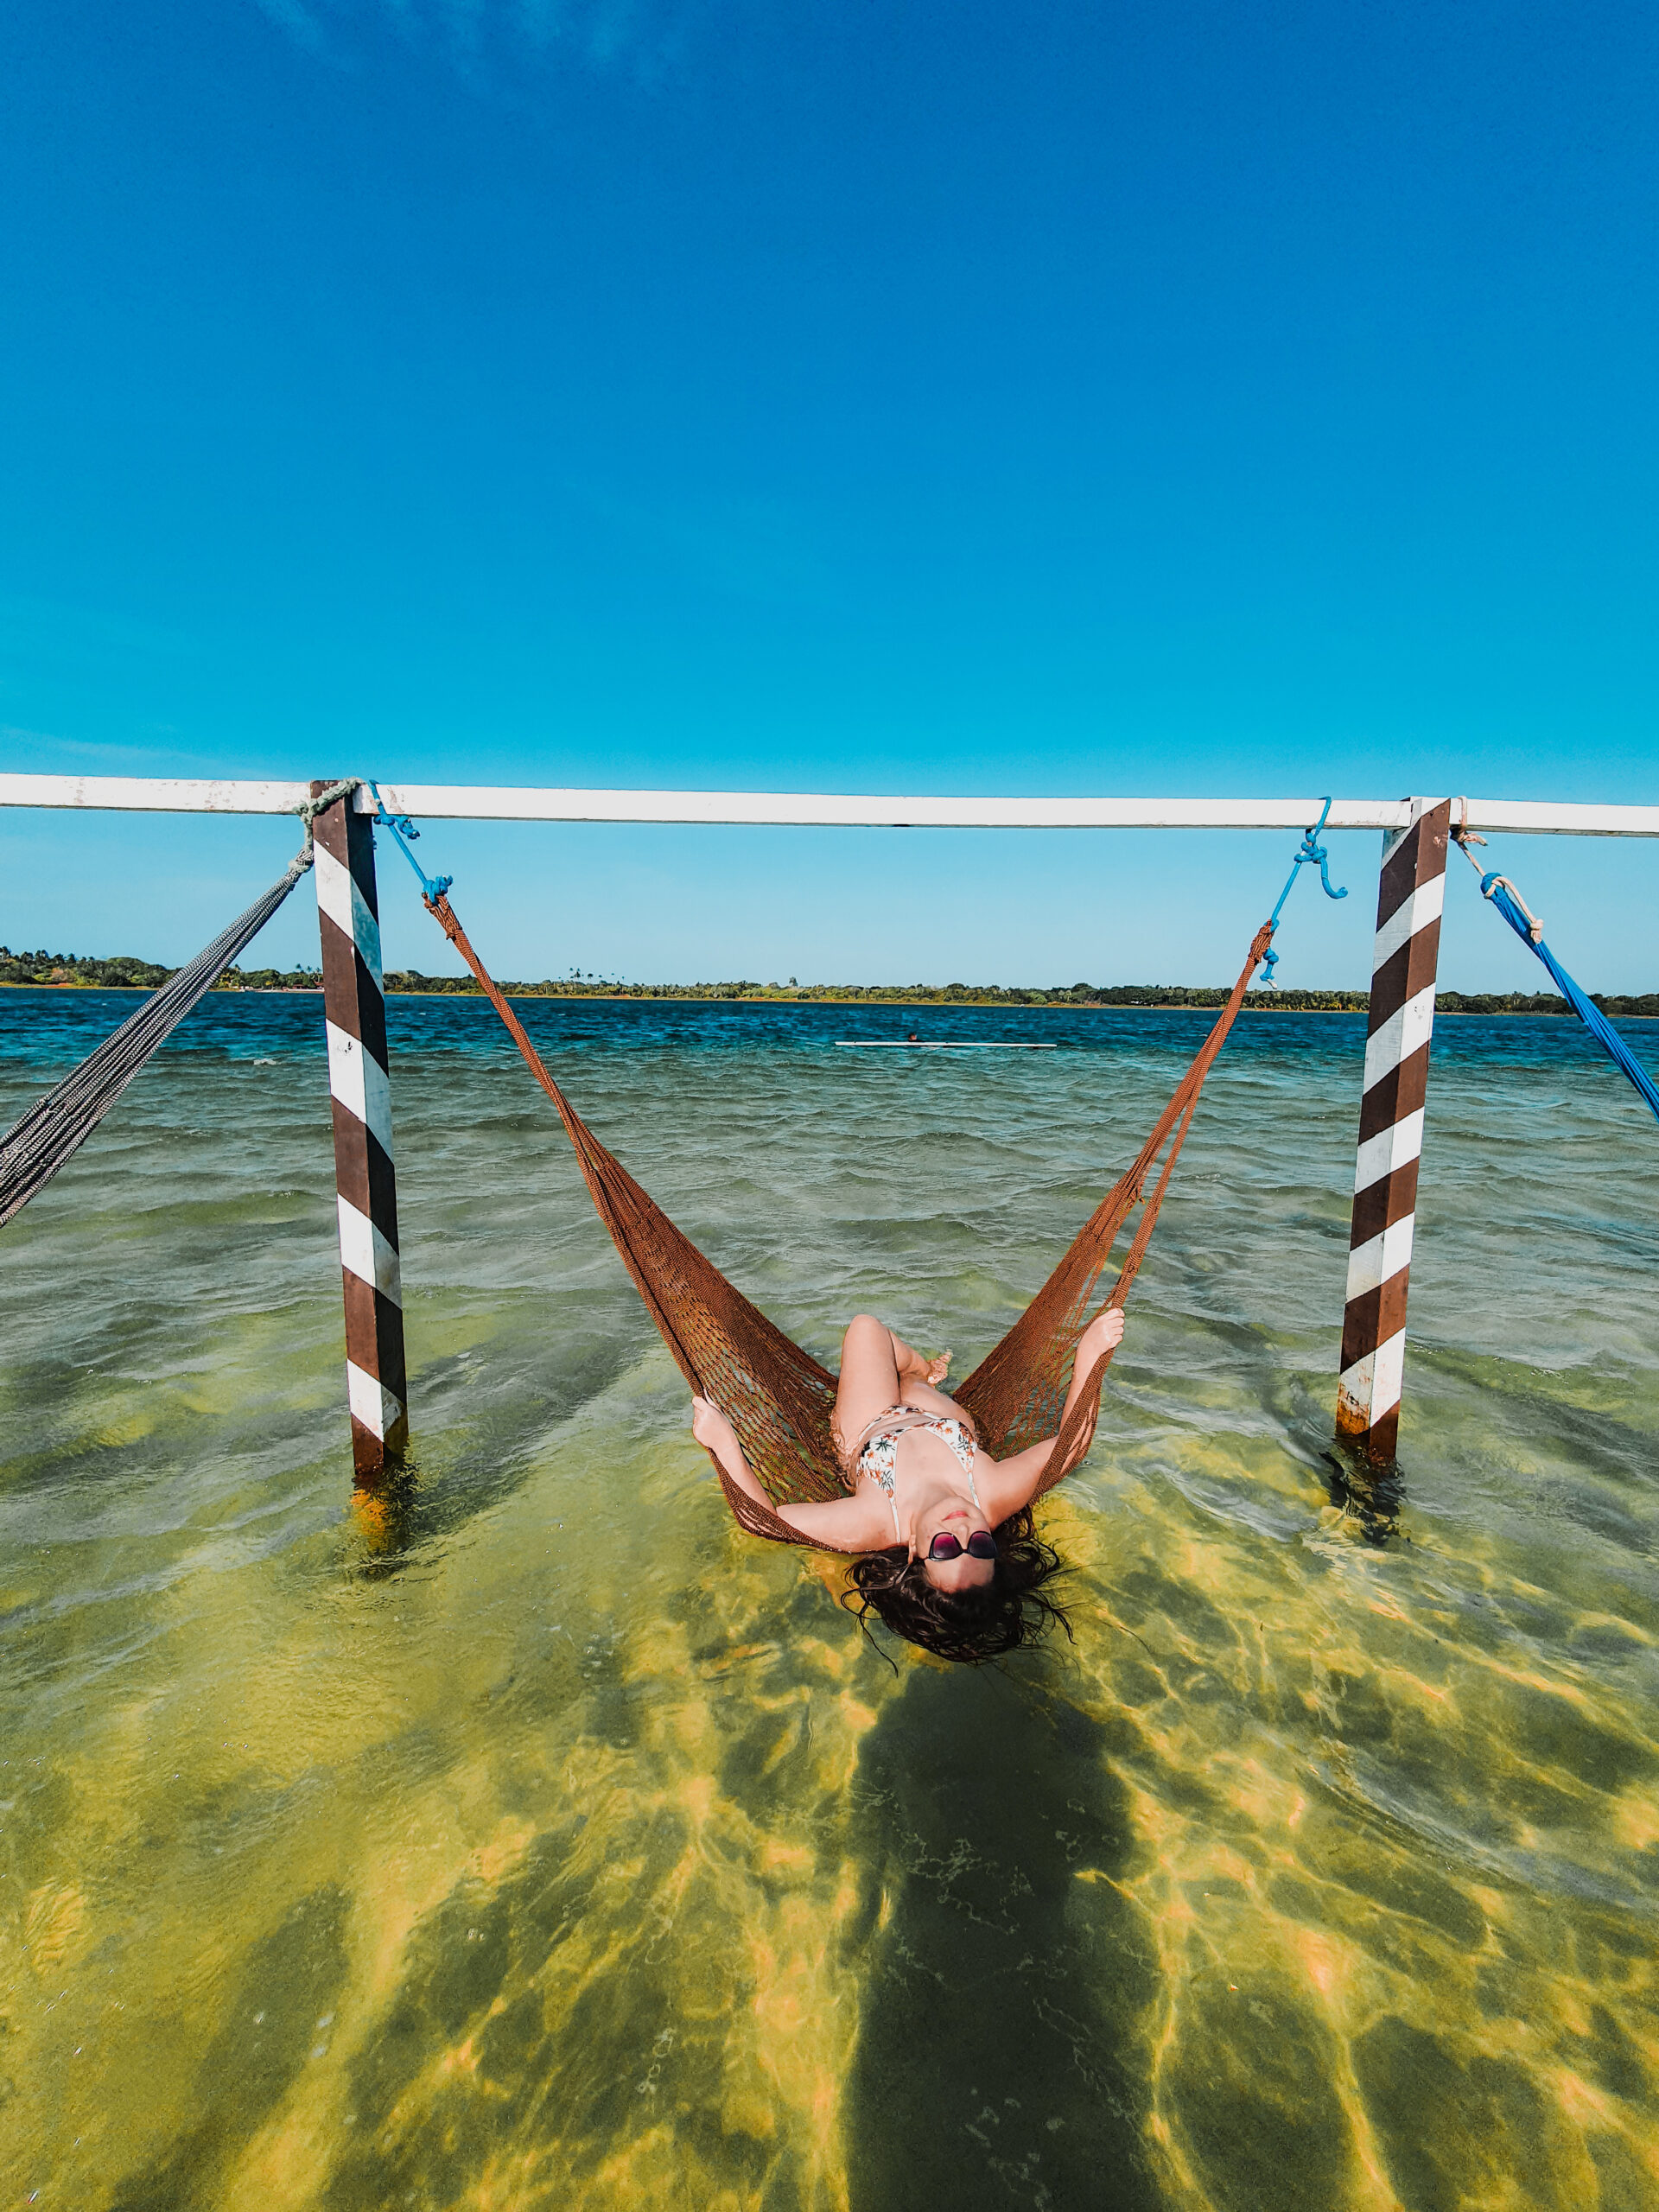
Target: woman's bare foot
(938,1368)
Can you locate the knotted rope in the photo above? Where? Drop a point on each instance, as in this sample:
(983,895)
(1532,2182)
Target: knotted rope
(1309,854)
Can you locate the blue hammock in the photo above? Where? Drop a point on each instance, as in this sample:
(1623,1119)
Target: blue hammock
(1504,896)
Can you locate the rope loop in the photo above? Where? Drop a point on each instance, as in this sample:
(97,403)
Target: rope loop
(308,811)
(1490,884)
(1464,839)
(1309,853)
(311,808)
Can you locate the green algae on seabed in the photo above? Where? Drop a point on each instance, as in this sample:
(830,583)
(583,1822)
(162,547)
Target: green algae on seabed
(533,1838)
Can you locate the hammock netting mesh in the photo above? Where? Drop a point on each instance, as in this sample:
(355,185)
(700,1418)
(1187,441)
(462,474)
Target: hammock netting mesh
(777,1397)
(56,1127)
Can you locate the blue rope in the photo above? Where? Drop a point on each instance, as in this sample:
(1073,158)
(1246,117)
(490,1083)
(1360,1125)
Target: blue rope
(1502,893)
(1311,852)
(432,886)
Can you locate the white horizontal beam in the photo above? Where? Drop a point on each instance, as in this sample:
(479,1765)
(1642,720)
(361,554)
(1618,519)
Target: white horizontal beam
(513,802)
(853,811)
(154,794)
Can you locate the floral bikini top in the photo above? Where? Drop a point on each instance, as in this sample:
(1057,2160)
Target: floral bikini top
(877,1454)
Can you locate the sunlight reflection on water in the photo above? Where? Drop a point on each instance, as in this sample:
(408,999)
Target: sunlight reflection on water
(533,1837)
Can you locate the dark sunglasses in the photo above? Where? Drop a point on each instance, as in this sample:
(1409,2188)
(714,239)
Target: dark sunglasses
(980,1545)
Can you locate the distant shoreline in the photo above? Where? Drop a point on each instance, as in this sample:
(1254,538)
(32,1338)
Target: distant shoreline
(1259,1002)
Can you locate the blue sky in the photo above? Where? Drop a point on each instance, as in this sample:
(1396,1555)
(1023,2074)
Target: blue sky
(1120,397)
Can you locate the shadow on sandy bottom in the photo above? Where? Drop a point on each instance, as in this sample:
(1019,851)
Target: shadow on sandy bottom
(999,2060)
(273,2014)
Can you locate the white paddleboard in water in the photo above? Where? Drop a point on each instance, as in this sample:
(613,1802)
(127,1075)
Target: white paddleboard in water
(941,1045)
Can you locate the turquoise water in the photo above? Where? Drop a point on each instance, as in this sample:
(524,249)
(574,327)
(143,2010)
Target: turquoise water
(533,1838)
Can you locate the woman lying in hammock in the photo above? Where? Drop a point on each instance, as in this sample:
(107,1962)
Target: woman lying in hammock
(949,1558)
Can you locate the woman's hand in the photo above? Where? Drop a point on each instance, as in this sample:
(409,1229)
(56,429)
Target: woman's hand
(711,1429)
(1103,1334)
(1007,1484)
(715,1433)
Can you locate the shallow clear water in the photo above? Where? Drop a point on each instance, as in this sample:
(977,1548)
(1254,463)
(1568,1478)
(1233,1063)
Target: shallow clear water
(536,1838)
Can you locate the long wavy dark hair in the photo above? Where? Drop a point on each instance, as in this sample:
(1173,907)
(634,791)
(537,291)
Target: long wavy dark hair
(968,1626)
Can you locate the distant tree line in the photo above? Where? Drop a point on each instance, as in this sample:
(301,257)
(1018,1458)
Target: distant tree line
(123,973)
(61,968)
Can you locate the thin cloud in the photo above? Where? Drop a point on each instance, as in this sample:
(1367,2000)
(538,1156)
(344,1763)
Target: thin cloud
(490,43)
(42,752)
(301,27)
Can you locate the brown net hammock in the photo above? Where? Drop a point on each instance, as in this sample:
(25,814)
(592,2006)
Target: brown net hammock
(776,1396)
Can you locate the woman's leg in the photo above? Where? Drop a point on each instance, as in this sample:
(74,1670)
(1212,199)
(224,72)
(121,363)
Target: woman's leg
(878,1369)
(920,1378)
(869,1377)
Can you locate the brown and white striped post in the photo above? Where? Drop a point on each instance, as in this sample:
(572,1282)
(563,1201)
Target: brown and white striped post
(354,1009)
(1404,961)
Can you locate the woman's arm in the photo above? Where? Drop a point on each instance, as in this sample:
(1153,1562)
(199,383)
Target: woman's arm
(1007,1484)
(855,1524)
(846,1524)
